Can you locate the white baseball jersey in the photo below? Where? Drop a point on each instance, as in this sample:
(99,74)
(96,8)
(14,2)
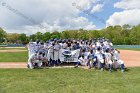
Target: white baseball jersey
(50,48)
(98,44)
(37,47)
(99,56)
(116,55)
(31,47)
(108,57)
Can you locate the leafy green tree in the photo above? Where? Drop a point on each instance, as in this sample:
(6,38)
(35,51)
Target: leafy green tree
(13,38)
(23,38)
(2,35)
(65,35)
(126,26)
(125,34)
(32,37)
(46,36)
(135,35)
(55,34)
(39,35)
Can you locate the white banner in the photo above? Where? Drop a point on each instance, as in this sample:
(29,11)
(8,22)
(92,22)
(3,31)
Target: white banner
(69,56)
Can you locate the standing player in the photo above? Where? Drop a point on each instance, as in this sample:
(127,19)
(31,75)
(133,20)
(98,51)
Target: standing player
(50,54)
(56,52)
(37,45)
(31,48)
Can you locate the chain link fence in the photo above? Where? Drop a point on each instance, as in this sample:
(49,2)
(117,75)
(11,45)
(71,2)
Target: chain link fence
(127,46)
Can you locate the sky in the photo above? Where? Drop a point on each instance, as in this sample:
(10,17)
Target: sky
(31,16)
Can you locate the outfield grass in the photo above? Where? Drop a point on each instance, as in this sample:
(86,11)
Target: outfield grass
(14,57)
(13,48)
(70,80)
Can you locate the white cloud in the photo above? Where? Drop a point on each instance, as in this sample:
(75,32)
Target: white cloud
(86,4)
(125,17)
(128,4)
(90,27)
(58,25)
(97,8)
(129,15)
(52,14)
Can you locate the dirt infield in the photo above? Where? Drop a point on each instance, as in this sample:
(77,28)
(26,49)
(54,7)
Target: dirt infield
(13,65)
(131,59)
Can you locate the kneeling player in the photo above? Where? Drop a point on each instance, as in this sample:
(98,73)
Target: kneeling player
(92,60)
(100,58)
(35,60)
(108,59)
(117,60)
(83,59)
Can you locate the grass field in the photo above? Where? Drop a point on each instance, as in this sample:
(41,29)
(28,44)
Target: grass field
(12,48)
(14,57)
(70,80)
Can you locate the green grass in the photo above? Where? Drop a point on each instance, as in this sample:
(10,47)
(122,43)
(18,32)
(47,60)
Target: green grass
(14,57)
(13,48)
(68,80)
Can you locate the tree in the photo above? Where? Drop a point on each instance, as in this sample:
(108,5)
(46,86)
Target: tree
(94,34)
(39,35)
(32,37)
(46,36)
(126,26)
(65,35)
(2,35)
(13,37)
(55,34)
(23,38)
(135,35)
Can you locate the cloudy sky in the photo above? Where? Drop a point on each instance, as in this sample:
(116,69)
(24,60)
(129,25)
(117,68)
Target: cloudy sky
(31,16)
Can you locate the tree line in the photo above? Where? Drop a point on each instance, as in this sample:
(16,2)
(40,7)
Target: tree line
(119,35)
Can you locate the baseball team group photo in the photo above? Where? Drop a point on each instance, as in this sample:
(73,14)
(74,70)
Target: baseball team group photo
(94,53)
(69,46)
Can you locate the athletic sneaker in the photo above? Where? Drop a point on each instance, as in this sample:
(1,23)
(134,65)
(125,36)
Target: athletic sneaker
(76,66)
(110,70)
(28,66)
(102,69)
(122,71)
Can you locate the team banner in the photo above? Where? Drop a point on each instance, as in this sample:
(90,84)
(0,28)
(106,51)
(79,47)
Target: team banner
(69,56)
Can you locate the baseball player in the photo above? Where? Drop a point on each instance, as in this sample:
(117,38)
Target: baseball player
(50,55)
(35,60)
(57,47)
(83,59)
(108,59)
(31,48)
(100,59)
(37,46)
(92,60)
(117,60)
